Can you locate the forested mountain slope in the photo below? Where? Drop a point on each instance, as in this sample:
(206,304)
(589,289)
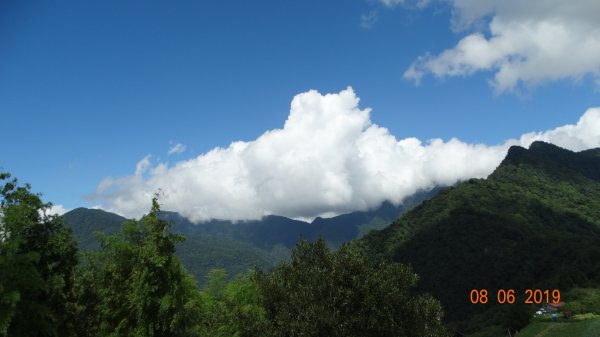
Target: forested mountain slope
(534,223)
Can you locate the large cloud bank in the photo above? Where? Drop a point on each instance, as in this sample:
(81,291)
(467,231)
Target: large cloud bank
(523,42)
(328,158)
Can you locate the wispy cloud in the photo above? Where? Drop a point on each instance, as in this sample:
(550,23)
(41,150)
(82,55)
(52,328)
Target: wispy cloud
(391,3)
(406,3)
(177,148)
(329,157)
(142,166)
(369,19)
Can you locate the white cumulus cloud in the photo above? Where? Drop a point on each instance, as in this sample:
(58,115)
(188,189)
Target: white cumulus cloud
(524,42)
(328,158)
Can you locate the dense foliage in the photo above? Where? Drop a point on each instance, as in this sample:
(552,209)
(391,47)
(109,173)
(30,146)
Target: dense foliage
(343,293)
(582,301)
(234,308)
(202,253)
(37,261)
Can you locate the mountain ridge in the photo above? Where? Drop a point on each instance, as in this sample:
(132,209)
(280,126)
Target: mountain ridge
(539,154)
(245,244)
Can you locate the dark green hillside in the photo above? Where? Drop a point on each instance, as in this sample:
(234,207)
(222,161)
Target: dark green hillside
(201,253)
(534,223)
(265,233)
(84,222)
(198,253)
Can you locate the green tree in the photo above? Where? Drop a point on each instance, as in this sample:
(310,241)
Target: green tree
(136,286)
(37,261)
(232,309)
(343,293)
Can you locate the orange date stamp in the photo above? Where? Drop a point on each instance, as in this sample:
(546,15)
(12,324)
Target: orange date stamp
(532,296)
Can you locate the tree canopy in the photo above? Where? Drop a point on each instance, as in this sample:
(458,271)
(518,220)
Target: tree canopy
(343,293)
(37,263)
(135,285)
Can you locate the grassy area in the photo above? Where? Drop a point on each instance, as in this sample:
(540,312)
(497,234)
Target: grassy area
(576,328)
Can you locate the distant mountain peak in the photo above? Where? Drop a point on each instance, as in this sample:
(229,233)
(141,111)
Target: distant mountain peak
(555,160)
(542,146)
(518,154)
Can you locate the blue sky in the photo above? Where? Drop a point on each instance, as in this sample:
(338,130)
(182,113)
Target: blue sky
(88,89)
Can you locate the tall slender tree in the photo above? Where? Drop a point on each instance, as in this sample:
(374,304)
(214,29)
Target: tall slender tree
(136,285)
